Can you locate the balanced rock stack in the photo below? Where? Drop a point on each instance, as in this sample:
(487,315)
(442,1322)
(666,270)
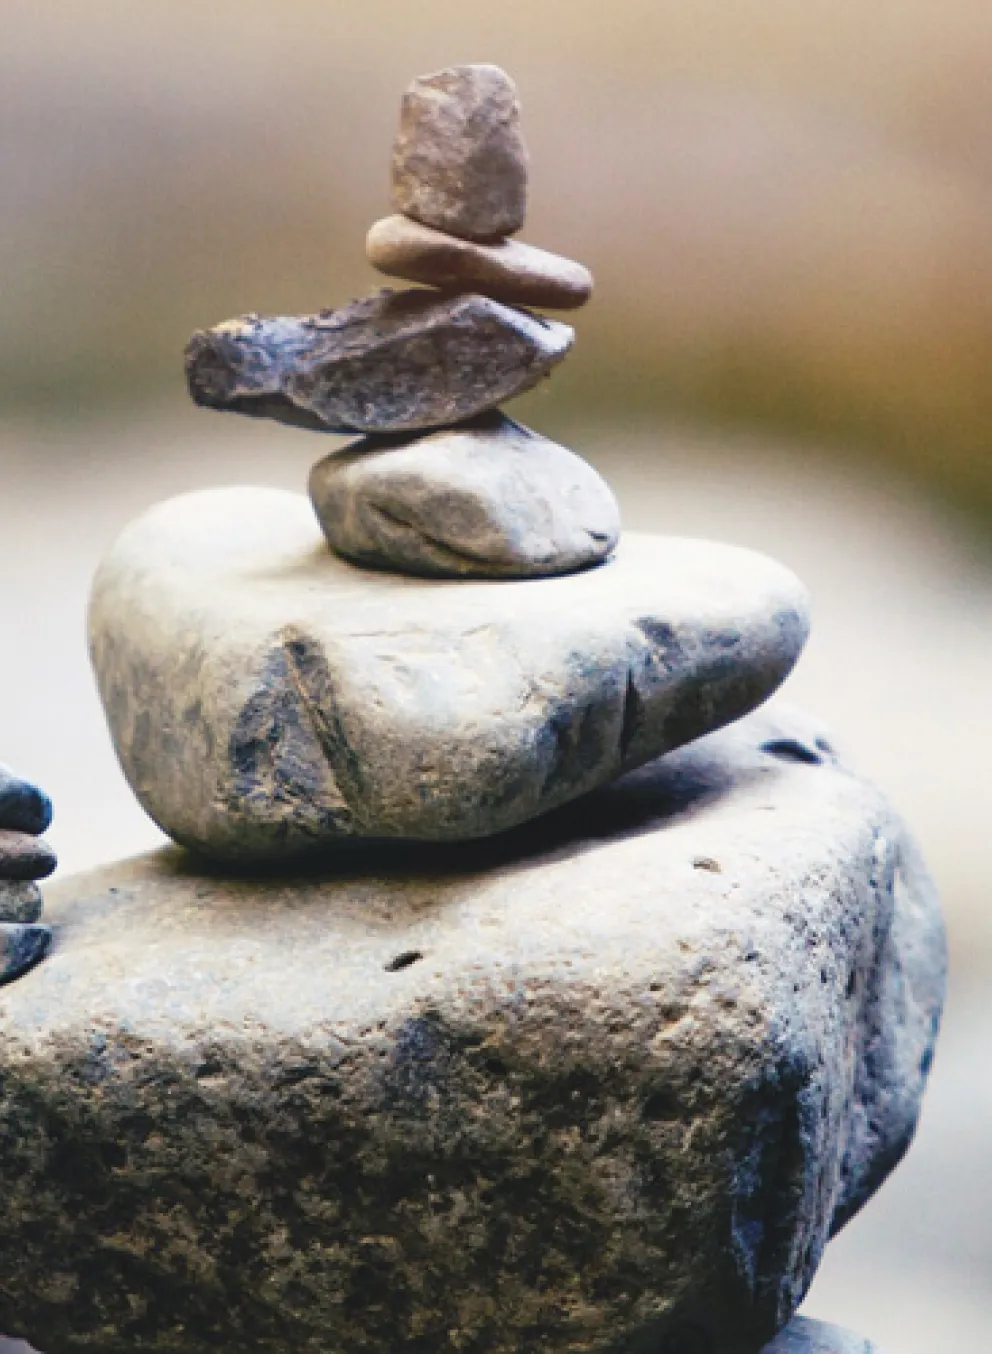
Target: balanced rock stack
(591,1019)
(486,497)
(25,813)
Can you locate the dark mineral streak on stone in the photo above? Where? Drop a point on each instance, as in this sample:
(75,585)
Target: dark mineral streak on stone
(459,160)
(23,856)
(615,1105)
(392,362)
(23,806)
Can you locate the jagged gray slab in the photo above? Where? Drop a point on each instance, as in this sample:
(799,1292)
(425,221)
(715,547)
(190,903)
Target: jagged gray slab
(392,362)
(267,699)
(606,1083)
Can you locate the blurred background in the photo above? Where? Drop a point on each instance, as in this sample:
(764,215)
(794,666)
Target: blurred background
(788,210)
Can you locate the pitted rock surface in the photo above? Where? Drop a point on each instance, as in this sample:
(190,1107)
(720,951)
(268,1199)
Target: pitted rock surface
(487,499)
(392,362)
(267,699)
(566,1090)
(459,160)
(509,271)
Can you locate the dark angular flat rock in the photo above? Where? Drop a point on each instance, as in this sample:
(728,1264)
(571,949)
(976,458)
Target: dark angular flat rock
(393,362)
(23,806)
(23,856)
(568,1090)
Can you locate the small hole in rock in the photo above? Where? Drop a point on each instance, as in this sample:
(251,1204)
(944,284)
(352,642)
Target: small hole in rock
(403,960)
(707,863)
(826,747)
(791,750)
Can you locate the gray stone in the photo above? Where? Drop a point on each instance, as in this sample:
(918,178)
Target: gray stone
(393,362)
(267,699)
(23,806)
(509,271)
(19,900)
(488,499)
(21,947)
(560,1091)
(802,1336)
(459,160)
(23,856)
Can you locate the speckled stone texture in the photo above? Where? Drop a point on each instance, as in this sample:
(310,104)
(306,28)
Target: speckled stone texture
(803,1336)
(607,1083)
(392,362)
(23,806)
(459,160)
(509,271)
(267,699)
(489,499)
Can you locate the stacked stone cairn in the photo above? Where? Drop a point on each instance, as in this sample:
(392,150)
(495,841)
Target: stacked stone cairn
(25,858)
(444,484)
(522,985)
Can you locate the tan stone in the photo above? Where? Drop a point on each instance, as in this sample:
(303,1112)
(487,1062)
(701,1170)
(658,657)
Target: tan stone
(509,271)
(459,160)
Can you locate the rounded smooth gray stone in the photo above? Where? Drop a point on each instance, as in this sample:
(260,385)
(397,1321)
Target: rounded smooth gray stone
(269,700)
(490,500)
(803,1336)
(392,362)
(510,271)
(564,1090)
(20,901)
(459,160)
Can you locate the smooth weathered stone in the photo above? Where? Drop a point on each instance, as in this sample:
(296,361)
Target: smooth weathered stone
(21,947)
(509,271)
(560,1091)
(490,499)
(23,856)
(268,699)
(23,806)
(803,1336)
(393,362)
(20,900)
(459,160)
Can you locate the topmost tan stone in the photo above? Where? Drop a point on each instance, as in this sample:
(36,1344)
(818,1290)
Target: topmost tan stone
(459,160)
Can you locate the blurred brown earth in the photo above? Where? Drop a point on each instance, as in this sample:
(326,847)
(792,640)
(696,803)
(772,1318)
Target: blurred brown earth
(788,207)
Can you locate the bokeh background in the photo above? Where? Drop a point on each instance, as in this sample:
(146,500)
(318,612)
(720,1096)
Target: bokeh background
(788,209)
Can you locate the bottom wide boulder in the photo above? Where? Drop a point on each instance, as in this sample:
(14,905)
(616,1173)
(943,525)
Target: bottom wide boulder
(607,1082)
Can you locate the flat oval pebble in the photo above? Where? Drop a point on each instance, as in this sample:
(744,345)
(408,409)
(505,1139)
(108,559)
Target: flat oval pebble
(459,160)
(268,700)
(23,856)
(509,271)
(23,806)
(803,1336)
(490,499)
(392,362)
(20,901)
